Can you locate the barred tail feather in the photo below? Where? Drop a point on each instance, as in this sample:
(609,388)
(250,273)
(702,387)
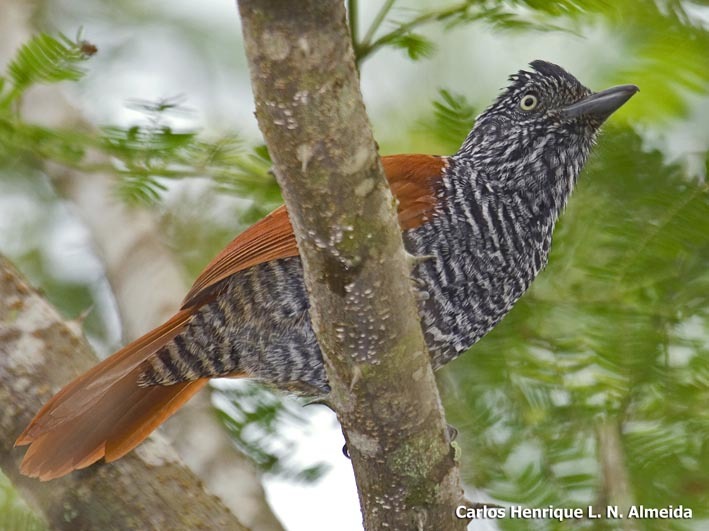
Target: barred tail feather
(104,412)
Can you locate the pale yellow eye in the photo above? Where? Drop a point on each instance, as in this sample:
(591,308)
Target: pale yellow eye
(528,102)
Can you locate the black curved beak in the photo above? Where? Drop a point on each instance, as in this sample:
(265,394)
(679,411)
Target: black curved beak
(601,104)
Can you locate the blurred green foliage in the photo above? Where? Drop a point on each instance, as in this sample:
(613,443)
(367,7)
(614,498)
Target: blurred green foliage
(613,332)
(14,513)
(404,31)
(44,59)
(143,156)
(255,417)
(614,335)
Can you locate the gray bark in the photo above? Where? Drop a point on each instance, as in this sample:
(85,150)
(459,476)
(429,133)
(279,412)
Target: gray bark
(148,489)
(146,281)
(311,113)
(148,286)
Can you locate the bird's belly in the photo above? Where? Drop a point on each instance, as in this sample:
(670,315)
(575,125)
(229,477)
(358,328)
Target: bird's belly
(259,324)
(456,316)
(468,290)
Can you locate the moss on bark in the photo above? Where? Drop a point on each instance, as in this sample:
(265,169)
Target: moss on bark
(311,113)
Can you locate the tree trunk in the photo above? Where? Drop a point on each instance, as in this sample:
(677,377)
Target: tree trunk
(148,286)
(146,281)
(148,489)
(310,110)
(615,480)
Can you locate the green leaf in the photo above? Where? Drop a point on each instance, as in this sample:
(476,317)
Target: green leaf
(136,189)
(254,417)
(416,46)
(45,59)
(453,117)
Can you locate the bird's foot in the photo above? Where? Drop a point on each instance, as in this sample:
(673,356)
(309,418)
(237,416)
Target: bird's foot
(421,295)
(416,259)
(420,291)
(319,400)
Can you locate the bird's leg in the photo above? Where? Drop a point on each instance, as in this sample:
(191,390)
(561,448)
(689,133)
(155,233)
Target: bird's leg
(324,401)
(413,259)
(420,286)
(420,291)
(319,400)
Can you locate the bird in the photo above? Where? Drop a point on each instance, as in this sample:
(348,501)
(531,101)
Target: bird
(483,218)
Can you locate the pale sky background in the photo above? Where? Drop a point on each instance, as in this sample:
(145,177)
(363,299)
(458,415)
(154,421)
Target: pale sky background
(150,62)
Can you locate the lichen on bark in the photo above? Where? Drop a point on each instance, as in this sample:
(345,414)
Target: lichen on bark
(40,352)
(311,113)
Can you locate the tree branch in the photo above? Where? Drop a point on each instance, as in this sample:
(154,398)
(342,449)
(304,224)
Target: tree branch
(364,48)
(310,110)
(147,489)
(353,19)
(148,286)
(616,485)
(369,45)
(145,278)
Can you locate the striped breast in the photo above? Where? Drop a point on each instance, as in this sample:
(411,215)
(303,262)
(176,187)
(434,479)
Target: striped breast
(483,257)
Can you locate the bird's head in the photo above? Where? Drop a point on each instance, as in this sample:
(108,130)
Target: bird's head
(543,124)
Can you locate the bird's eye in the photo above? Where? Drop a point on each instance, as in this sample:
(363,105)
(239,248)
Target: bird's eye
(528,102)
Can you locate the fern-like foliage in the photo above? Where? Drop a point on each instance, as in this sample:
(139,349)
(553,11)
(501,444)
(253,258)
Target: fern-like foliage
(669,55)
(144,156)
(416,45)
(148,154)
(403,32)
(612,333)
(44,59)
(452,119)
(652,32)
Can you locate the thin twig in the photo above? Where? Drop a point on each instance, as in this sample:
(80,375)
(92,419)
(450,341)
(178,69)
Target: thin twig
(366,48)
(353,19)
(377,22)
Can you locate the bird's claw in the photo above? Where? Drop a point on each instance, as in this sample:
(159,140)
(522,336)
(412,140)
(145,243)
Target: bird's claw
(452,432)
(416,259)
(420,291)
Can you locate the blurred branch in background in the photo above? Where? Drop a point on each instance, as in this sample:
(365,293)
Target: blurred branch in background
(146,280)
(149,489)
(616,329)
(616,488)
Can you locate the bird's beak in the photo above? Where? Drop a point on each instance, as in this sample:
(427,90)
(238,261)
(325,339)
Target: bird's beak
(601,104)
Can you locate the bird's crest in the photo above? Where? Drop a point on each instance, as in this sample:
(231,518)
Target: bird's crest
(547,74)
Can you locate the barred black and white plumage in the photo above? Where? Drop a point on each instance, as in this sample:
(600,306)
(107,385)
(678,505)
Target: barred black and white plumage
(489,236)
(481,222)
(259,325)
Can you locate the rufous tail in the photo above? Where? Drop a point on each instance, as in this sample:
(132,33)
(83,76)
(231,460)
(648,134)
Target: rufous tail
(103,412)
